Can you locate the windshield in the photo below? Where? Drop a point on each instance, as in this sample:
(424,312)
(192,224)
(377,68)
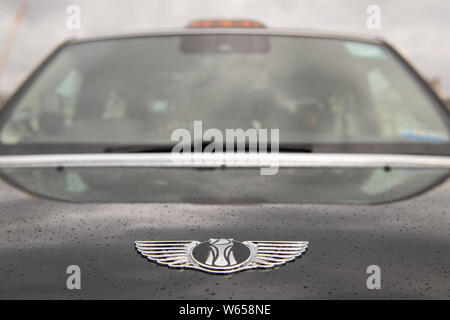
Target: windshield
(139,90)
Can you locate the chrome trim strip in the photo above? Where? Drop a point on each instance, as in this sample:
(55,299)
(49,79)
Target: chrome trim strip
(234,160)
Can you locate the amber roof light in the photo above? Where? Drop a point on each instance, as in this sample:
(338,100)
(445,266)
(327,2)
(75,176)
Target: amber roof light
(225,24)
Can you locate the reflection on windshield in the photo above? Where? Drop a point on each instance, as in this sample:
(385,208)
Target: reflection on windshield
(307,185)
(137,91)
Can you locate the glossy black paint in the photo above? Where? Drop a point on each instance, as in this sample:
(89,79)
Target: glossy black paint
(40,238)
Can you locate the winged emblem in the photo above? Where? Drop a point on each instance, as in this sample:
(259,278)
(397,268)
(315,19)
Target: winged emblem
(221,256)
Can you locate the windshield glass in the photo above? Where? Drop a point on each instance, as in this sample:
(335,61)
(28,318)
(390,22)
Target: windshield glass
(139,90)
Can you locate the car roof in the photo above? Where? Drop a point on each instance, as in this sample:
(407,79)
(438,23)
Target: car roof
(237,31)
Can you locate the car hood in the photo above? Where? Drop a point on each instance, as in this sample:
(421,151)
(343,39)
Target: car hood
(409,240)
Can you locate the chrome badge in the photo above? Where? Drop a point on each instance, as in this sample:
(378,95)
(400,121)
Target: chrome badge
(221,256)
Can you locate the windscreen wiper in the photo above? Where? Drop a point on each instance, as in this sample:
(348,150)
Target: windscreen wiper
(150,148)
(296,147)
(139,148)
(162,148)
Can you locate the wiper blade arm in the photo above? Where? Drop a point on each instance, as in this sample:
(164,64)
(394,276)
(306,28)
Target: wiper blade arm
(150,148)
(156,148)
(295,147)
(139,148)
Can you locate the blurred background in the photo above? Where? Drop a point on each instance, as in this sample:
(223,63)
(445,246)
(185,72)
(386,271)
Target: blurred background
(29,30)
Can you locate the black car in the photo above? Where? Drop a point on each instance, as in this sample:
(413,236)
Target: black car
(357,205)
